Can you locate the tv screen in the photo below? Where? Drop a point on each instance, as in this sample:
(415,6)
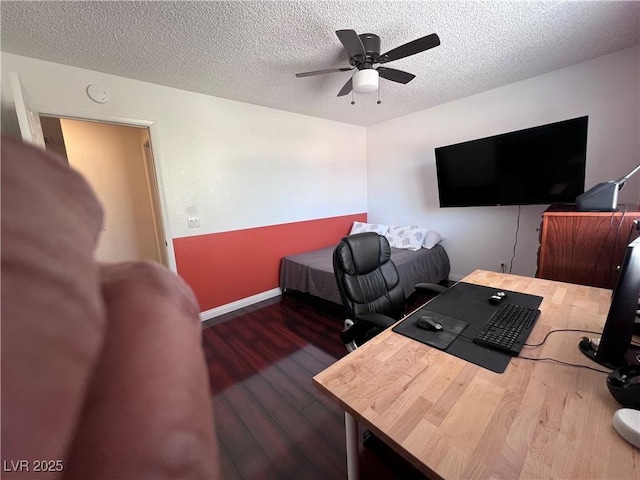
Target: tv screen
(535,166)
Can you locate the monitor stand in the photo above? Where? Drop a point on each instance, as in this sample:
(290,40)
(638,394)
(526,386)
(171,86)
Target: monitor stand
(631,356)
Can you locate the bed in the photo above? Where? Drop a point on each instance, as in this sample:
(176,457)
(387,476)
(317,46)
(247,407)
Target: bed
(312,272)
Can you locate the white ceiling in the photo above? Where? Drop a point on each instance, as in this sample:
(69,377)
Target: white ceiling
(250,51)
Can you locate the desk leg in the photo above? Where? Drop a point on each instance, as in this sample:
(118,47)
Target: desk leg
(353,447)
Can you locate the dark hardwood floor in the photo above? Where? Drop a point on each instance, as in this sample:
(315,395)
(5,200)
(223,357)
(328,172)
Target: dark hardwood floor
(270,420)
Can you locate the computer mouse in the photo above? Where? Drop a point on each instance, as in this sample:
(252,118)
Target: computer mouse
(428,323)
(497,297)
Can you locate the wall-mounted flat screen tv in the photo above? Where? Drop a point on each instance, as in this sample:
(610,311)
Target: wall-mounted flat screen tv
(536,166)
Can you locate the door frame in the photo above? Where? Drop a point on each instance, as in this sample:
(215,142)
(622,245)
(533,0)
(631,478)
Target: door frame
(77,114)
(152,189)
(28,119)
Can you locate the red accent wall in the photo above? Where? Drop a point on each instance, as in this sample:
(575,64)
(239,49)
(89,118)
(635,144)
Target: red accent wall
(228,266)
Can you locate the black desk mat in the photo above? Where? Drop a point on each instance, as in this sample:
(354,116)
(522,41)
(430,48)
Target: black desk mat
(466,302)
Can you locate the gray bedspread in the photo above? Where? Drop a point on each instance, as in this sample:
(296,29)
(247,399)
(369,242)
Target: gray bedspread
(312,272)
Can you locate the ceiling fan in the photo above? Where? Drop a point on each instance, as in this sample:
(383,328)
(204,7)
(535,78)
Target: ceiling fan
(364,52)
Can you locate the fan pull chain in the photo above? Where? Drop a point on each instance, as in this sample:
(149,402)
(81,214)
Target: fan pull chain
(378,102)
(353,102)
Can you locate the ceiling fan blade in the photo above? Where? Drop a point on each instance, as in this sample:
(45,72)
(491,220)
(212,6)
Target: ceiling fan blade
(346,88)
(351,42)
(411,48)
(395,75)
(321,72)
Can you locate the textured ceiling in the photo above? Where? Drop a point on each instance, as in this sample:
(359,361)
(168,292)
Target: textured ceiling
(250,51)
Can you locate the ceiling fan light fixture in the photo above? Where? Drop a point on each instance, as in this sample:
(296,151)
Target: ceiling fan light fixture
(365,81)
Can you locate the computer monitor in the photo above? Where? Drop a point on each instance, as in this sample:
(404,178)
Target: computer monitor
(615,349)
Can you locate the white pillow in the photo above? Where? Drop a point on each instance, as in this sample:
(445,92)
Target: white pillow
(431,239)
(409,238)
(359,227)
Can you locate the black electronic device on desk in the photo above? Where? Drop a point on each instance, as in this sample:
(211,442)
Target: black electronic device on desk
(615,349)
(463,311)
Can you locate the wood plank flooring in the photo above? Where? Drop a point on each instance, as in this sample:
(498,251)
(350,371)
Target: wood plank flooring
(272,424)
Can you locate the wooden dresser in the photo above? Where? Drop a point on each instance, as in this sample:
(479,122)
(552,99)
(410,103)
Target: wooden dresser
(584,247)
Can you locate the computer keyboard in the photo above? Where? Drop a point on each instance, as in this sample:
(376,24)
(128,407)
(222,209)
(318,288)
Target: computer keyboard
(508,328)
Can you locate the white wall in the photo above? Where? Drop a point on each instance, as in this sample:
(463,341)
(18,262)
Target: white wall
(232,164)
(237,165)
(401,176)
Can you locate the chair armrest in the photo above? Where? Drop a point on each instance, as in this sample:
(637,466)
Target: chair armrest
(366,324)
(430,288)
(376,319)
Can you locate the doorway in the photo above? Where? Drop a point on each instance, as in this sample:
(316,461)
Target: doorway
(117,161)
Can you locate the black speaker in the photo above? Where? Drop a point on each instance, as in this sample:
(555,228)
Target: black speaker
(624,385)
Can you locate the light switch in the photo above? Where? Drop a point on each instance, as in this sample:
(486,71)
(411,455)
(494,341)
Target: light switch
(193,222)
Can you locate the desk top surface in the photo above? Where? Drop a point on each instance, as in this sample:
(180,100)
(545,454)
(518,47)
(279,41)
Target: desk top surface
(453,419)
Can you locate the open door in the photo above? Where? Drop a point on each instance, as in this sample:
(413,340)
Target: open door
(154,197)
(117,162)
(28,120)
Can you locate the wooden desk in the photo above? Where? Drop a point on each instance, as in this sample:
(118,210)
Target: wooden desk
(452,419)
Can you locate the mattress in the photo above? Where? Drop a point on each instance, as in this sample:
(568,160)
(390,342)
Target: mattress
(312,272)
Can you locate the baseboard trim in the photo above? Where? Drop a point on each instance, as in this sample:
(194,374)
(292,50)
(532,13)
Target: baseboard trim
(259,297)
(243,302)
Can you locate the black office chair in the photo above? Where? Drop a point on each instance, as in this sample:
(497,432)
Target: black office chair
(369,286)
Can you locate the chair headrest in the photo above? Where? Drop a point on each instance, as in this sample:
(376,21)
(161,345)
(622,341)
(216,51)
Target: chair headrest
(362,253)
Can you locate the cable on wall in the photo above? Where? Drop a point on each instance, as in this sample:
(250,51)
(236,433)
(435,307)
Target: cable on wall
(515,243)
